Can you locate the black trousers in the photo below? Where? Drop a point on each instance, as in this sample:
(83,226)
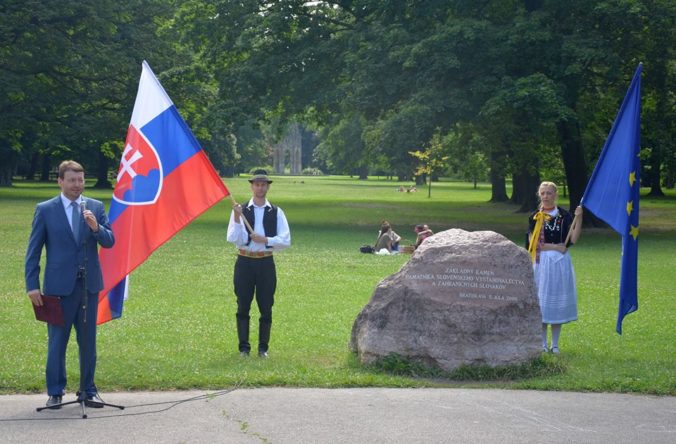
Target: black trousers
(254,277)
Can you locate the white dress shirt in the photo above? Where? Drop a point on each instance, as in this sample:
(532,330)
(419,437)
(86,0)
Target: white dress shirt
(66,207)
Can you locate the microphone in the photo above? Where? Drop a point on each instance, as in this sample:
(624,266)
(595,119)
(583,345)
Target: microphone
(83,207)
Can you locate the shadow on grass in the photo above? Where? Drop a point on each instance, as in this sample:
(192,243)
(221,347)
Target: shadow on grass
(398,365)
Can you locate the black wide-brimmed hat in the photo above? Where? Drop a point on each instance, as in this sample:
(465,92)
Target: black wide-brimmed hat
(260,175)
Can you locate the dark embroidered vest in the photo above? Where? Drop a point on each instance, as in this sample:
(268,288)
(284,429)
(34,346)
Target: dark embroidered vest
(556,229)
(269,220)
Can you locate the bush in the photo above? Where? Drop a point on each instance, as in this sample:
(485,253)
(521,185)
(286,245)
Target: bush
(312,172)
(267,168)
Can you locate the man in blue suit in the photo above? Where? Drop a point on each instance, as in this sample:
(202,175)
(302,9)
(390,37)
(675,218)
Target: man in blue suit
(70,228)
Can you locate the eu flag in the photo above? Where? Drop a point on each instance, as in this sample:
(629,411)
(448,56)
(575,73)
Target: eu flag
(612,193)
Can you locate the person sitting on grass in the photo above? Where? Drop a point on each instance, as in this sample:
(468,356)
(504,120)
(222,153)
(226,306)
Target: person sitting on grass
(387,238)
(422,232)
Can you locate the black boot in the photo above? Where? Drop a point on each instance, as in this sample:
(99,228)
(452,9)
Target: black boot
(243,335)
(263,338)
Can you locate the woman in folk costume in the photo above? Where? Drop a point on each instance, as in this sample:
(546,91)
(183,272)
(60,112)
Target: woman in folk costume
(548,242)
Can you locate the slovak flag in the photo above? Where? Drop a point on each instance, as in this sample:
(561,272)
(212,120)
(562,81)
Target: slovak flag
(165,180)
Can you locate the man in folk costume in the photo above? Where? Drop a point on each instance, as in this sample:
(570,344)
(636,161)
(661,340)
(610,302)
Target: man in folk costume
(258,230)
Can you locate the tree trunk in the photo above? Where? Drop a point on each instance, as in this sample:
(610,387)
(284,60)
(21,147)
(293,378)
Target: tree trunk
(574,162)
(33,167)
(525,190)
(659,123)
(6,169)
(576,167)
(46,167)
(655,176)
(102,172)
(497,177)
(659,131)
(363,172)
(669,180)
(278,159)
(228,171)
(518,187)
(9,160)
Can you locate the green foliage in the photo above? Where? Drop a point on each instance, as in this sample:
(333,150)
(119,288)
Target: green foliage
(312,172)
(401,366)
(70,71)
(431,161)
(476,168)
(534,80)
(267,168)
(343,149)
(542,366)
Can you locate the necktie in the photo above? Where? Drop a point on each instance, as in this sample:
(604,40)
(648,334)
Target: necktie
(75,220)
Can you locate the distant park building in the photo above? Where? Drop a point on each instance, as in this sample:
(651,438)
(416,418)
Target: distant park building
(291,143)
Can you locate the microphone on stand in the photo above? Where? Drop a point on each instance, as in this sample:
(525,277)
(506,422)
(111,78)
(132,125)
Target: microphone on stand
(83,207)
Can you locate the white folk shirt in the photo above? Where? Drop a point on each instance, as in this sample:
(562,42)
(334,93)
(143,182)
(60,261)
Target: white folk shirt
(238,234)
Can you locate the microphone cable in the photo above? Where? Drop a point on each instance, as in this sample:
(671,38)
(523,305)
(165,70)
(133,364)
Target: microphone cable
(171,405)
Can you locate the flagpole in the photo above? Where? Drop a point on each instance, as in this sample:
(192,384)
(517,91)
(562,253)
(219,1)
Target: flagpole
(246,222)
(576,220)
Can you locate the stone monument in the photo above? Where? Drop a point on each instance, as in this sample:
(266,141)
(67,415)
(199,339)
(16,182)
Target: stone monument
(463,298)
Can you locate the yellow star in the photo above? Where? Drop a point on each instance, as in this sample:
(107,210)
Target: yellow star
(633,231)
(630,207)
(632,178)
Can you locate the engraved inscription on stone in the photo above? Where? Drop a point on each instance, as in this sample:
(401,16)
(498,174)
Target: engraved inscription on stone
(469,283)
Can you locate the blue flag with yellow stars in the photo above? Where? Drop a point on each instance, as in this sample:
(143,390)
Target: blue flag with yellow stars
(612,193)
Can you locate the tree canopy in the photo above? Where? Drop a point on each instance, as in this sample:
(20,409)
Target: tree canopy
(527,89)
(536,80)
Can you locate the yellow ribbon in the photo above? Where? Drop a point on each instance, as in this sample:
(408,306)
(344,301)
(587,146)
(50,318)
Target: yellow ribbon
(539,218)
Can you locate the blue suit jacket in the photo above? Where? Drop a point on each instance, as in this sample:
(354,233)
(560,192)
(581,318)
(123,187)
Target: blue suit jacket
(52,231)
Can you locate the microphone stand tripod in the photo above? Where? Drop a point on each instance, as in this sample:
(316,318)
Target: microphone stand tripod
(82,394)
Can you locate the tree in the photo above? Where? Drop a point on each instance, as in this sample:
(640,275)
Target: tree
(659,41)
(432,160)
(476,168)
(410,68)
(524,113)
(70,71)
(468,153)
(343,149)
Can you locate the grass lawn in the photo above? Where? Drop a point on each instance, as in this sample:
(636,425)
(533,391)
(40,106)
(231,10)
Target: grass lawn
(178,327)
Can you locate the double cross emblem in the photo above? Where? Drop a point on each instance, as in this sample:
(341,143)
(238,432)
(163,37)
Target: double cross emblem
(126,164)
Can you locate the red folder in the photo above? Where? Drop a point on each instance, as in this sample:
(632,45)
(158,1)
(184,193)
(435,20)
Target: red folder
(50,311)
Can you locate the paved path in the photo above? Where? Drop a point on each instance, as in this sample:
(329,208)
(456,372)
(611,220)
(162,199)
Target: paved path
(363,415)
